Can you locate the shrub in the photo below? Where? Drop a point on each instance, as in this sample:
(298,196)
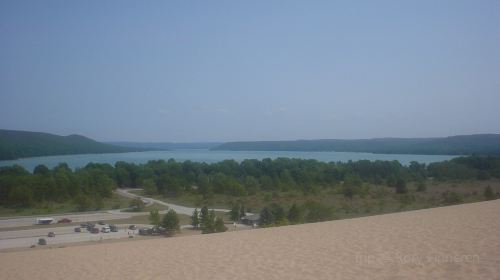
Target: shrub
(317,212)
(295,215)
(219,225)
(451,198)
(421,186)
(488,193)
(137,204)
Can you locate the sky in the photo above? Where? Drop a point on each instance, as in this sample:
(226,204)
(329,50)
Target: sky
(189,71)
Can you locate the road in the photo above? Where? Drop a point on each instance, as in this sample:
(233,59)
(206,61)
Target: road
(177,208)
(26,238)
(75,217)
(19,238)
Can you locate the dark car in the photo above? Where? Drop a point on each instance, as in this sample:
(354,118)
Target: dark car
(94,230)
(145,231)
(42,241)
(113,228)
(51,234)
(101,222)
(159,230)
(77,229)
(132,227)
(64,221)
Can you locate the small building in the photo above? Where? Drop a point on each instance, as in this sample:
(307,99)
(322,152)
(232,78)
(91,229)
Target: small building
(251,220)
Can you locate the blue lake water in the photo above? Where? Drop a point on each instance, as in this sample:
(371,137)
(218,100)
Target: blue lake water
(202,155)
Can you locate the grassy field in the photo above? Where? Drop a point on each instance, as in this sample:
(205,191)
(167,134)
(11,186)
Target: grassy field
(375,199)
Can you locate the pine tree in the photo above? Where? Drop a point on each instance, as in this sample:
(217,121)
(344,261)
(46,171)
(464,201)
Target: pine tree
(266,217)
(234,214)
(195,219)
(207,220)
(154,217)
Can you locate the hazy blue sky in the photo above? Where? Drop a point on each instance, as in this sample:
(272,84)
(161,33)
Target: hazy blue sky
(250,70)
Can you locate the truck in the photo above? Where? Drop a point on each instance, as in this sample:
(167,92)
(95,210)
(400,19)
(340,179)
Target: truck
(44,221)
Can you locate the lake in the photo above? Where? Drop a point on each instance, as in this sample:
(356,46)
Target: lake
(203,155)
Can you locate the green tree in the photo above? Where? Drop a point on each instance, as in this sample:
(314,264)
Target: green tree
(21,196)
(278,212)
(98,202)
(149,187)
(41,170)
(195,219)
(266,217)
(83,202)
(234,214)
(154,217)
(207,220)
(401,186)
(171,222)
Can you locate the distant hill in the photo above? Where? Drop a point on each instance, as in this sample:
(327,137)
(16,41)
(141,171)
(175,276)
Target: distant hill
(481,144)
(167,145)
(18,144)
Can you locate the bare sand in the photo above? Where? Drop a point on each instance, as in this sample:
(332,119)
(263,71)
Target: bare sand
(456,242)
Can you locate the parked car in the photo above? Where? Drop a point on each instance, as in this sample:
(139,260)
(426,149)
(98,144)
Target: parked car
(77,229)
(42,241)
(84,225)
(51,234)
(113,228)
(132,227)
(105,229)
(159,230)
(101,222)
(90,226)
(145,231)
(94,230)
(64,220)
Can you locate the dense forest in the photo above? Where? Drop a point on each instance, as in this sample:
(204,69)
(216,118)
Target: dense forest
(480,144)
(87,186)
(165,146)
(17,144)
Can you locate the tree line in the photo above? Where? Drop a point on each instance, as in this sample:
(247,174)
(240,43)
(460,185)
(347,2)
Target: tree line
(89,185)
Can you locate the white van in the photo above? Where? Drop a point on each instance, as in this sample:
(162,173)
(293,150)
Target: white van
(105,229)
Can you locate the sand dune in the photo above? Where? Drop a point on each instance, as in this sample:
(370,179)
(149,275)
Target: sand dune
(456,242)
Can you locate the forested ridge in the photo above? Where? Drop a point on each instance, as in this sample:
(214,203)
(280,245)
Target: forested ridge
(17,144)
(86,186)
(479,144)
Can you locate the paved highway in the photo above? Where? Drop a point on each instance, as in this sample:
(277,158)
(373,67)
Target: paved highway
(177,208)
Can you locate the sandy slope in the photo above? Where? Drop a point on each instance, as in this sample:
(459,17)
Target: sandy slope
(457,242)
